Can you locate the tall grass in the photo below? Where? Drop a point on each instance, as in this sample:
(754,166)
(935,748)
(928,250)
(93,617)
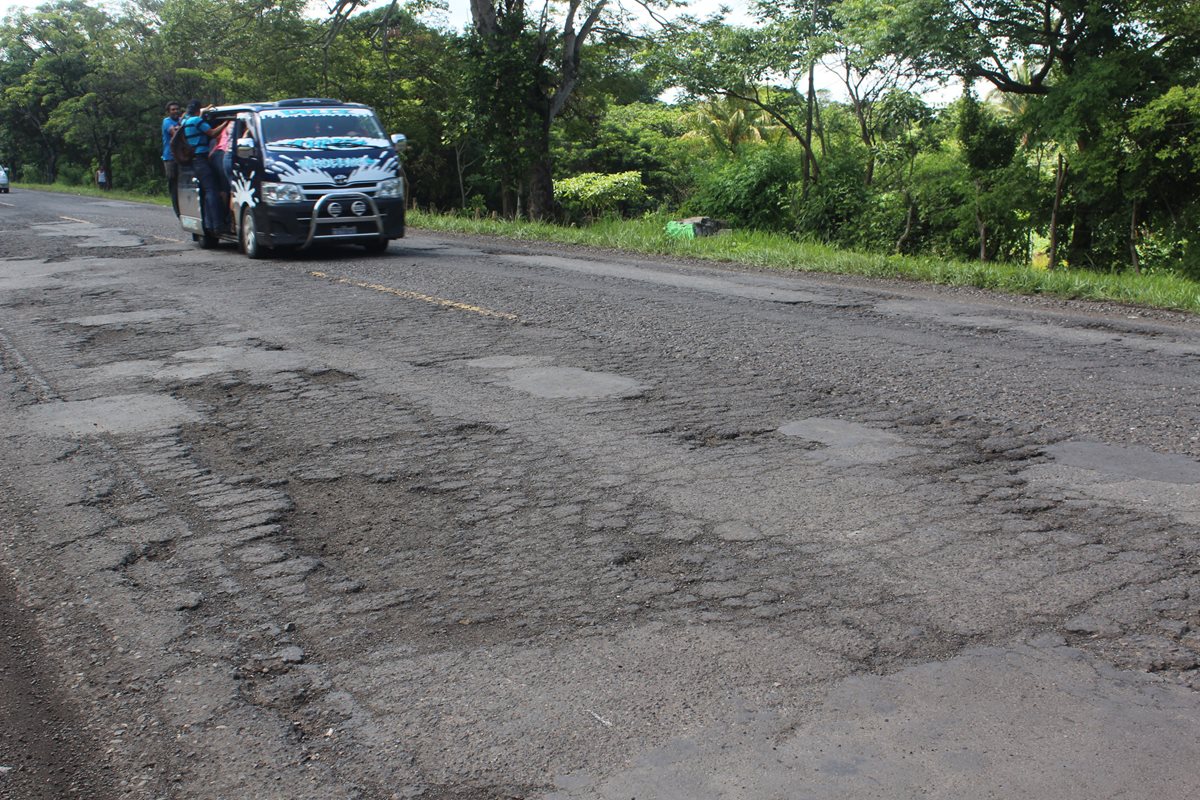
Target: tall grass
(781,252)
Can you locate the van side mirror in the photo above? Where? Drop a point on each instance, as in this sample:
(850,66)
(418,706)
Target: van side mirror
(400,140)
(245,148)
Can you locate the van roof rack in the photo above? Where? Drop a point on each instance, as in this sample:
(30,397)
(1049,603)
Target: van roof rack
(230,111)
(308,101)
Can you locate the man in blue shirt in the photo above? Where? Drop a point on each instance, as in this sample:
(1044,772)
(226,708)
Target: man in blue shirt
(169,124)
(198,133)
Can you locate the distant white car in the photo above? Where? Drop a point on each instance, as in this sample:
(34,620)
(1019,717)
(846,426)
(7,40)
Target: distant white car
(3,181)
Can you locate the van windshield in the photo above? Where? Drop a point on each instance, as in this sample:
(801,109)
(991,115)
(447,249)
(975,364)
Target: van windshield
(321,129)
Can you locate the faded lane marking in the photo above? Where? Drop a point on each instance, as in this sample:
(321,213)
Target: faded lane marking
(10,205)
(424,298)
(167,239)
(76,219)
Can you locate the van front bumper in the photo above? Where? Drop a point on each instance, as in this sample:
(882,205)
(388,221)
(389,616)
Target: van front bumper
(339,217)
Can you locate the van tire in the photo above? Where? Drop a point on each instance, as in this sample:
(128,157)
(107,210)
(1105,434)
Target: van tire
(248,236)
(379,245)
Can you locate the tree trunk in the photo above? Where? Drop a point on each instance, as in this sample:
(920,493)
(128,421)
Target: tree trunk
(1081,236)
(1133,239)
(1060,180)
(980,222)
(821,131)
(508,202)
(49,159)
(807,161)
(459,168)
(808,164)
(541,190)
(908,224)
(864,129)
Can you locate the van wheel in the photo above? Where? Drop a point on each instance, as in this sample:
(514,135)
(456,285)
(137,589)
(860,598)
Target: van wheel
(376,245)
(248,236)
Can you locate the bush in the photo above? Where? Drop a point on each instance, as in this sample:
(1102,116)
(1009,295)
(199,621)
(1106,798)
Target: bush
(833,212)
(755,190)
(595,194)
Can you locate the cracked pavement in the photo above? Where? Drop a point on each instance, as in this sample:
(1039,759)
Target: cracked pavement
(482,519)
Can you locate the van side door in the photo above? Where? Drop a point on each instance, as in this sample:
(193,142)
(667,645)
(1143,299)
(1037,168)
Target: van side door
(187,190)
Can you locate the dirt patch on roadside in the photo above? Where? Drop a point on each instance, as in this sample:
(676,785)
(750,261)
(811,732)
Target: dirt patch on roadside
(45,753)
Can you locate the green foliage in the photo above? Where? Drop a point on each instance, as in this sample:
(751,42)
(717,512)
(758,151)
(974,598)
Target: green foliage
(506,110)
(643,137)
(833,209)
(987,142)
(759,189)
(594,194)
(727,123)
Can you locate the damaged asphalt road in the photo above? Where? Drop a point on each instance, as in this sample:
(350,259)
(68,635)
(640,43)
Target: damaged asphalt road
(477,519)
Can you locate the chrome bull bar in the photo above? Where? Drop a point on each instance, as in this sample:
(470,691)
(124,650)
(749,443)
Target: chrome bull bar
(348,197)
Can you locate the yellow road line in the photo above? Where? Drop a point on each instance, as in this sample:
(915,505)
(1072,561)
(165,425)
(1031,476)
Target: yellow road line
(424,298)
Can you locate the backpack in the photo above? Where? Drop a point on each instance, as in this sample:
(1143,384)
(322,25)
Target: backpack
(181,149)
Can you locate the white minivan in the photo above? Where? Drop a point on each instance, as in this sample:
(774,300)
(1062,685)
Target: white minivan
(3,181)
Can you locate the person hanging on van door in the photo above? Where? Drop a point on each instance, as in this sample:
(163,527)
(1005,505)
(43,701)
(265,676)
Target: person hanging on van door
(219,160)
(169,124)
(198,133)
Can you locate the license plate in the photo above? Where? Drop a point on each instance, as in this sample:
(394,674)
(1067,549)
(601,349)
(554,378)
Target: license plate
(345,230)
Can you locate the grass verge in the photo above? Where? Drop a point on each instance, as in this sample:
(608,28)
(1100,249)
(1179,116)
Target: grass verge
(95,191)
(781,252)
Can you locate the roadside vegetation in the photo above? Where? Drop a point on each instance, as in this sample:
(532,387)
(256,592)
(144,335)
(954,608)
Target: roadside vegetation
(782,252)
(1048,146)
(96,191)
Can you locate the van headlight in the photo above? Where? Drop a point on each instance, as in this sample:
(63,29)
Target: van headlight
(273,193)
(392,187)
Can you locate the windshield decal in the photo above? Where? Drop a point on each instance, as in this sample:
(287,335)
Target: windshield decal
(329,142)
(317,112)
(308,162)
(316,170)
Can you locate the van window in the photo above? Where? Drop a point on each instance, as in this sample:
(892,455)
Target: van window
(321,128)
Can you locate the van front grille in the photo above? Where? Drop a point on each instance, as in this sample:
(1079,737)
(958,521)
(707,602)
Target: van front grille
(312,191)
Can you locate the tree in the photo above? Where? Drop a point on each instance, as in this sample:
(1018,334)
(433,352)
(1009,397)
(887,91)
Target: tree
(413,75)
(646,137)
(988,146)
(760,67)
(1092,61)
(1163,170)
(47,62)
(533,63)
(727,123)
